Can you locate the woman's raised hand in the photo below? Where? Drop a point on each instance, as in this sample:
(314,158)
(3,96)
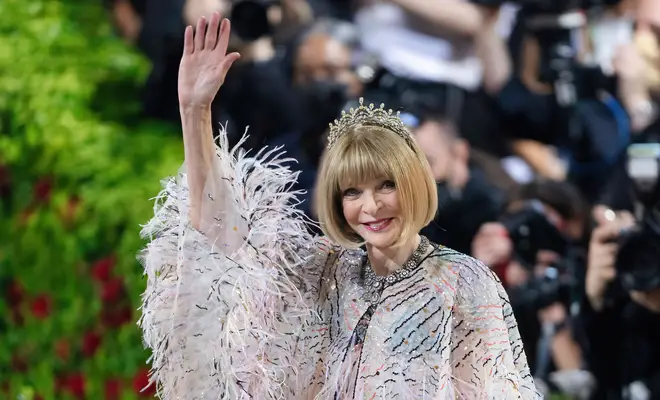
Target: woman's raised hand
(204,63)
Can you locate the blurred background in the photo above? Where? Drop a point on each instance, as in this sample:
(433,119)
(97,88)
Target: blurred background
(539,119)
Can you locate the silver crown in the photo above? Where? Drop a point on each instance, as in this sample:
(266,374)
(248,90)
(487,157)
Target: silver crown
(370,115)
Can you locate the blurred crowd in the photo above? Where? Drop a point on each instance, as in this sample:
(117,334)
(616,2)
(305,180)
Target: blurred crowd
(540,123)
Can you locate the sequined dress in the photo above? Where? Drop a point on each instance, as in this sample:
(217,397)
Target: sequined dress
(257,308)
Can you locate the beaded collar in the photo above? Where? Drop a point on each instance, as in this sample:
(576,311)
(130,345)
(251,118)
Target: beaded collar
(374,284)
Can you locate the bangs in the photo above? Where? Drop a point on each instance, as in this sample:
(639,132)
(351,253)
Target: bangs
(361,161)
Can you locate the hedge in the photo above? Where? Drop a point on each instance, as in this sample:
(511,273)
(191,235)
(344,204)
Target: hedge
(77,171)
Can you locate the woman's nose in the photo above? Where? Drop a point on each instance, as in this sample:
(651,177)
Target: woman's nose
(370,203)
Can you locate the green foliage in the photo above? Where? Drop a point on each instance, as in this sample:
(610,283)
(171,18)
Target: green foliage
(73,190)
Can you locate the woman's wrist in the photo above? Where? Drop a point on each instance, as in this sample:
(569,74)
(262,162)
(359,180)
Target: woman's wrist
(193,107)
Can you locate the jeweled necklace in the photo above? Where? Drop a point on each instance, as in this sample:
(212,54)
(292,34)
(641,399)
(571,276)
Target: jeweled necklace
(376,283)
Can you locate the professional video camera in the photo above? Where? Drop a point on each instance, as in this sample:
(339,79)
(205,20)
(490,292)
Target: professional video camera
(638,261)
(250,18)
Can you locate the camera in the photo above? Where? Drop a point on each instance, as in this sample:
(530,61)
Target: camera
(579,113)
(531,231)
(638,260)
(250,19)
(556,285)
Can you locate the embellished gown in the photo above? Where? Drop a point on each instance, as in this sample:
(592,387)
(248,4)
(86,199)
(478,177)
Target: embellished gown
(255,307)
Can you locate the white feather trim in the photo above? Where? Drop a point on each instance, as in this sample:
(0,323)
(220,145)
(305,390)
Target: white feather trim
(219,307)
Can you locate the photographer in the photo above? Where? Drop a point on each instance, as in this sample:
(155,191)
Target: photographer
(258,93)
(638,67)
(288,93)
(622,313)
(466,197)
(623,278)
(323,74)
(534,249)
(562,109)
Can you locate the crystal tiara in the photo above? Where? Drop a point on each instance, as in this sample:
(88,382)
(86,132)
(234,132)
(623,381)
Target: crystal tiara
(367,115)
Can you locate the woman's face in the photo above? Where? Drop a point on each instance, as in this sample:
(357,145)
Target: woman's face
(372,210)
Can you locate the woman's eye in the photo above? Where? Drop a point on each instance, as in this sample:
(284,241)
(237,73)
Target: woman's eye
(388,185)
(351,193)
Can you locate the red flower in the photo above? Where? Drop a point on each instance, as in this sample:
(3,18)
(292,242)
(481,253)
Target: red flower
(15,294)
(114,318)
(125,315)
(141,381)
(43,189)
(112,290)
(102,268)
(5,181)
(91,342)
(74,384)
(41,306)
(63,349)
(112,389)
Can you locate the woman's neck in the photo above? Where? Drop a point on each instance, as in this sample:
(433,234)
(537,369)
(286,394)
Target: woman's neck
(387,260)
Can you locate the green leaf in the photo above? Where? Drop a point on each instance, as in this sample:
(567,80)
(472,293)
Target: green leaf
(70,122)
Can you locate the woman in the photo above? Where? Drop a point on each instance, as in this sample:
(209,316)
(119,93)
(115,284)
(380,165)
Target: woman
(243,303)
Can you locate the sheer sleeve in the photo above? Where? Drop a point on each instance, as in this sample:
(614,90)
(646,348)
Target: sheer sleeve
(487,356)
(223,308)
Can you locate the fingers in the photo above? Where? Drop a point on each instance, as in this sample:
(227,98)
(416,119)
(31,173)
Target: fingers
(605,233)
(200,32)
(602,256)
(223,40)
(207,37)
(188,45)
(610,223)
(606,216)
(229,60)
(625,220)
(605,254)
(212,32)
(603,215)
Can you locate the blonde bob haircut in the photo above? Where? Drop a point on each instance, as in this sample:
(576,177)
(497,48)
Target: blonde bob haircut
(367,152)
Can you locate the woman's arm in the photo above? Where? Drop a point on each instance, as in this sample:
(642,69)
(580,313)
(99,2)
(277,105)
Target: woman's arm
(457,16)
(203,69)
(199,152)
(230,275)
(492,50)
